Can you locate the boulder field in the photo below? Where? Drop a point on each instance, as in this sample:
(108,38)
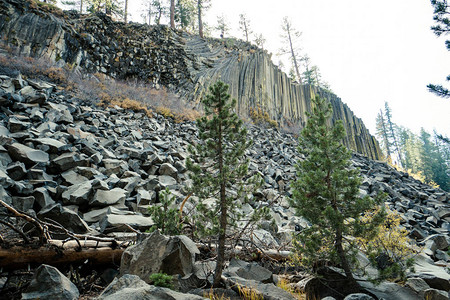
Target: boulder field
(96,170)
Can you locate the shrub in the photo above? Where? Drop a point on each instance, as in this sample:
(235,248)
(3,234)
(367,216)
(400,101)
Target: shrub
(389,251)
(161,280)
(166,219)
(261,117)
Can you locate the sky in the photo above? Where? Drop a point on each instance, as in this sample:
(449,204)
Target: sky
(368,51)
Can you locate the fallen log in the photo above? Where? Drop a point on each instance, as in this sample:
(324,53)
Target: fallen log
(252,254)
(58,252)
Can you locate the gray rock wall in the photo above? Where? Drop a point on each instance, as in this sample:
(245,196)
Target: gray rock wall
(182,62)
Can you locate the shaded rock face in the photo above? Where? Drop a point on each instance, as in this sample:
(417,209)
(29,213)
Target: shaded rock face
(49,283)
(182,62)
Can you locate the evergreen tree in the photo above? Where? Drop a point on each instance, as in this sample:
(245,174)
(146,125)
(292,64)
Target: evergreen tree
(222,26)
(290,37)
(309,75)
(382,134)
(434,166)
(74,4)
(442,27)
(222,167)
(184,13)
(392,133)
(325,193)
(260,40)
(109,7)
(244,25)
(202,5)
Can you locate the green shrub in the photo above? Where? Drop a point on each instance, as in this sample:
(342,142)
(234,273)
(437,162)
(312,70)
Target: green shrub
(162,280)
(166,219)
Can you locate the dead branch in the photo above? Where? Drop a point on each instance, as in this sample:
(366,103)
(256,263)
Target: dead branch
(44,235)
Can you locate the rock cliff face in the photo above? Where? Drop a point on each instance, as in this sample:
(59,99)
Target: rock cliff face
(179,61)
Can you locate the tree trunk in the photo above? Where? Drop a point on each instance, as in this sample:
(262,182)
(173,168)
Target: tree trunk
(294,59)
(343,259)
(58,254)
(126,11)
(223,208)
(81,6)
(200,22)
(172,14)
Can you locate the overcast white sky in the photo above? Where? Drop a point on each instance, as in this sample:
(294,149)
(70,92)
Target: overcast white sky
(369,51)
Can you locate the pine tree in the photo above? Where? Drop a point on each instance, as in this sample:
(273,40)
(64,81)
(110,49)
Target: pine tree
(382,134)
(244,25)
(202,5)
(434,166)
(290,37)
(221,171)
(222,26)
(184,13)
(260,40)
(325,193)
(392,133)
(442,27)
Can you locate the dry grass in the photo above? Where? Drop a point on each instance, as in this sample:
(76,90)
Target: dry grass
(284,284)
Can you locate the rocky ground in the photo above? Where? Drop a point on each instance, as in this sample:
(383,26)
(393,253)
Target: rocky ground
(96,170)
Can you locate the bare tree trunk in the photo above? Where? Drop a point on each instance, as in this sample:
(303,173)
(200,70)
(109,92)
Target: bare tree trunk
(294,59)
(81,6)
(126,11)
(172,14)
(200,22)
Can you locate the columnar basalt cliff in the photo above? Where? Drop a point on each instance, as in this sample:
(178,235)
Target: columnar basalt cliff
(181,62)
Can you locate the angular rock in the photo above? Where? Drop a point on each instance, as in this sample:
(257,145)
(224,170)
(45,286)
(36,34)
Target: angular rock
(418,285)
(27,155)
(168,169)
(131,287)
(121,223)
(64,216)
(42,197)
(23,203)
(433,294)
(105,198)
(158,253)
(77,194)
(16,170)
(49,283)
(250,271)
(70,160)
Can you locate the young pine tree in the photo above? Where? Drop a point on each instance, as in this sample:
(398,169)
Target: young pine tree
(326,195)
(221,171)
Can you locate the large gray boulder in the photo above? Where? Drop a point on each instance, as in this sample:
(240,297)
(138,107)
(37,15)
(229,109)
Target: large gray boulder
(27,155)
(49,283)
(158,253)
(131,287)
